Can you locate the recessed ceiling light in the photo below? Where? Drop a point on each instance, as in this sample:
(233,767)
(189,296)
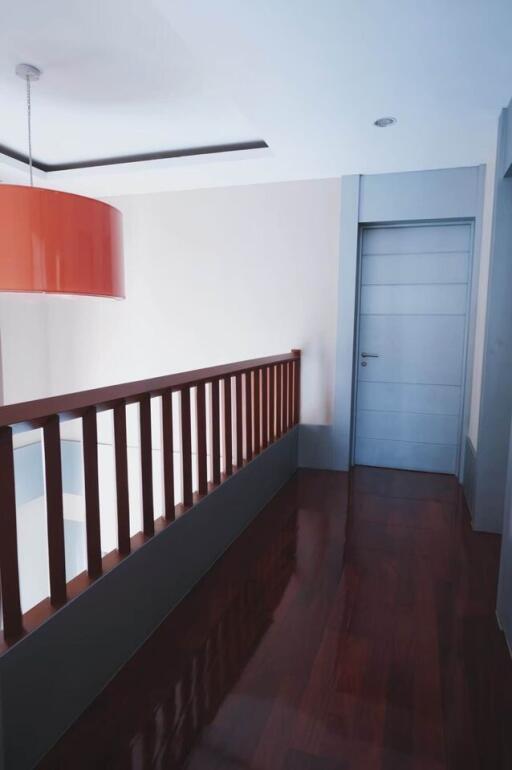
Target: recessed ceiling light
(384,122)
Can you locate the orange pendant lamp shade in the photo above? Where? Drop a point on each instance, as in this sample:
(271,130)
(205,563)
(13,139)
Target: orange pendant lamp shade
(59,243)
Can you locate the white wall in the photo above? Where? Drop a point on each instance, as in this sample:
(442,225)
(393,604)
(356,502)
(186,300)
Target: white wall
(23,347)
(212,276)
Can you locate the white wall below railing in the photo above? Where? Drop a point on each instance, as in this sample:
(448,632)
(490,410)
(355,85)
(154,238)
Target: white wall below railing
(31,517)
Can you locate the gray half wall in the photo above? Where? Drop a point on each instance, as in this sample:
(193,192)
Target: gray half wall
(316,447)
(469,481)
(50,677)
(504,608)
(496,396)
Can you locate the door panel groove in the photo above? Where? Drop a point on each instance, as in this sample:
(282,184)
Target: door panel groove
(418,283)
(399,315)
(405,411)
(419,384)
(405,441)
(412,253)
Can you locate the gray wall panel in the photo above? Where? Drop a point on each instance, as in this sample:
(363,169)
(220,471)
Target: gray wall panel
(448,267)
(504,608)
(416,195)
(424,350)
(408,426)
(316,446)
(434,399)
(469,474)
(409,455)
(496,398)
(496,405)
(432,299)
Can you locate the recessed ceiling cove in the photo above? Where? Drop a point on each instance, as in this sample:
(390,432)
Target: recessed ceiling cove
(310,77)
(118,85)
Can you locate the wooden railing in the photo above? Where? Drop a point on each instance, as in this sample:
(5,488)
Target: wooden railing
(260,402)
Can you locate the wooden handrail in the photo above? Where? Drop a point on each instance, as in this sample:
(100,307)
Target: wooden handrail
(252,404)
(32,414)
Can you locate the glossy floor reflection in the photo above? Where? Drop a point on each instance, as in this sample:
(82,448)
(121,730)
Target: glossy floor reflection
(346,629)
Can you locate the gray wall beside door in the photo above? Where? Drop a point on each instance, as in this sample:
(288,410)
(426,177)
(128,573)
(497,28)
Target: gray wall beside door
(496,398)
(493,474)
(411,197)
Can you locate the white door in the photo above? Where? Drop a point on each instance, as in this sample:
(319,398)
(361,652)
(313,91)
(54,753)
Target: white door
(413,306)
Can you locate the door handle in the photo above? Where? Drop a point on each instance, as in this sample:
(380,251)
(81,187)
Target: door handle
(369,355)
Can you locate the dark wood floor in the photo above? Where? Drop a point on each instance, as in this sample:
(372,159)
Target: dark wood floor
(351,627)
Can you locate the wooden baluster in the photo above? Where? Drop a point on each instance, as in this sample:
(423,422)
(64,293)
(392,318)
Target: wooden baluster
(54,511)
(296,388)
(146,462)
(92,495)
(290,394)
(123,498)
(215,432)
(279,401)
(272,403)
(264,407)
(168,455)
(257,412)
(296,384)
(239,422)
(248,416)
(9,574)
(186,447)
(228,428)
(285,398)
(202,463)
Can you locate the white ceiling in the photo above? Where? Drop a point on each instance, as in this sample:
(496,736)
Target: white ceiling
(307,76)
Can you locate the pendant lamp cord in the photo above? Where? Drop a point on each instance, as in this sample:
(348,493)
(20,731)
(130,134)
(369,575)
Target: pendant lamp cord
(29,127)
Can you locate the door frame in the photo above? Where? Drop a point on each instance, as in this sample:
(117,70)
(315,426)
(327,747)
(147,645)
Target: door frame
(469,331)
